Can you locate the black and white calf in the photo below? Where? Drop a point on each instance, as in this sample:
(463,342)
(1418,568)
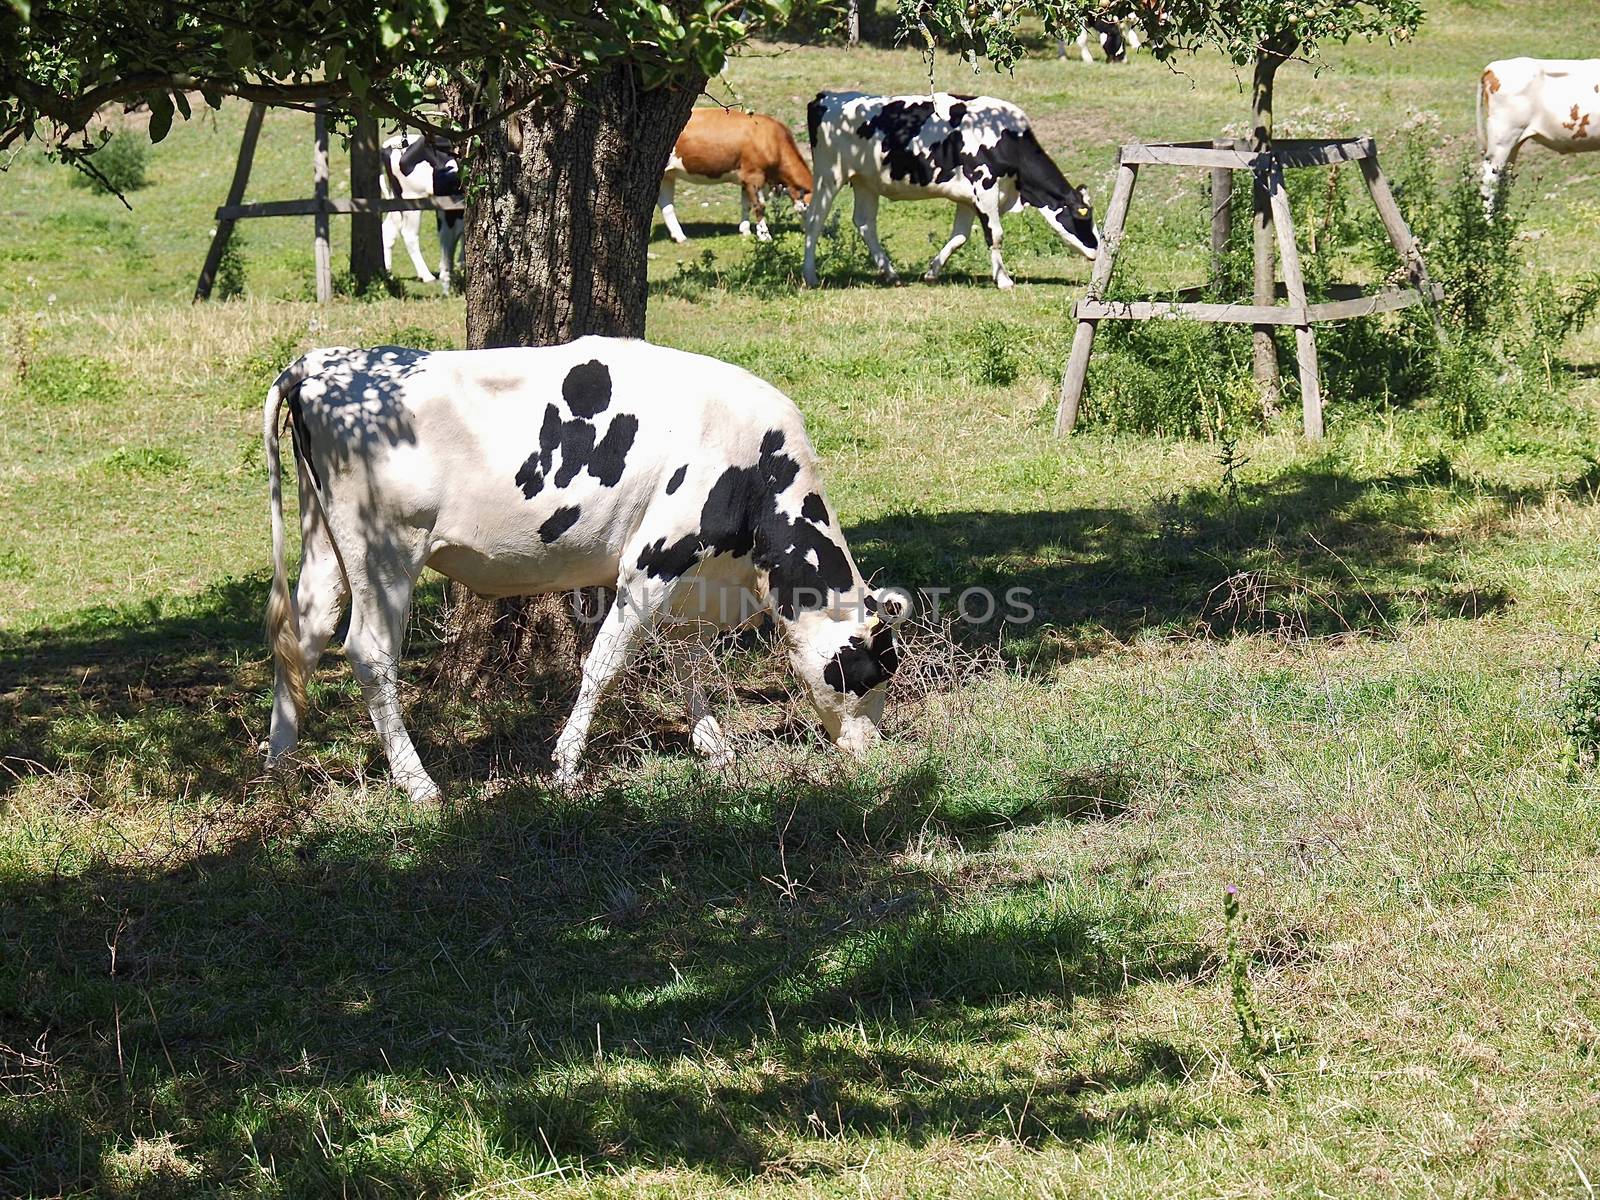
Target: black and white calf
(974,150)
(685,483)
(416,166)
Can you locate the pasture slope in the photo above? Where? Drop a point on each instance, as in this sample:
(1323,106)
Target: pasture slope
(993,961)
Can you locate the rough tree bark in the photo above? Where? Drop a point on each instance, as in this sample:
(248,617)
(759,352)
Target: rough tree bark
(560,202)
(366,229)
(1273,55)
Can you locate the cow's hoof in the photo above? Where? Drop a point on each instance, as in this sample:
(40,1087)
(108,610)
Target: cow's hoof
(680,238)
(1004,283)
(930,277)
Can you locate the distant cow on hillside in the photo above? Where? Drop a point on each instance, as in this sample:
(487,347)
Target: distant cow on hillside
(416,166)
(976,151)
(723,146)
(1555,102)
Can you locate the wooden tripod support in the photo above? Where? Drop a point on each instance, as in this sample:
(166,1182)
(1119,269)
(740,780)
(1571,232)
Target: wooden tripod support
(1225,157)
(319,207)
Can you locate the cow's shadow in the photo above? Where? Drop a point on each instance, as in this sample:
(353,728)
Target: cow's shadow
(565,961)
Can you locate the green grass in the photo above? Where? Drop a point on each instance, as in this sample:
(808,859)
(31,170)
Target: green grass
(992,961)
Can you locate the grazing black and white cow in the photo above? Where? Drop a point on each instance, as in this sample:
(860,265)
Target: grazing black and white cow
(1116,37)
(686,483)
(974,150)
(416,166)
(1555,102)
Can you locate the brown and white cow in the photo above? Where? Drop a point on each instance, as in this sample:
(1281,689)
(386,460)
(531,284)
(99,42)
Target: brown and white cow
(1552,101)
(725,146)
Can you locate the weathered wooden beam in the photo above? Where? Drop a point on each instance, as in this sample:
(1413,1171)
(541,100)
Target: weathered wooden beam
(241,179)
(1221,219)
(1169,155)
(338,206)
(1290,152)
(1305,341)
(319,178)
(1355,302)
(1089,310)
(1072,380)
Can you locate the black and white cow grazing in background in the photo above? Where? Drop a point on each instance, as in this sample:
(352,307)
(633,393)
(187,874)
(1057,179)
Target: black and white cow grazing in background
(685,483)
(414,167)
(1116,38)
(974,150)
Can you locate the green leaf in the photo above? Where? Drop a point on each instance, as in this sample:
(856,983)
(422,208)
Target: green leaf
(160,115)
(23,9)
(441,10)
(182,102)
(391,29)
(335,62)
(239,48)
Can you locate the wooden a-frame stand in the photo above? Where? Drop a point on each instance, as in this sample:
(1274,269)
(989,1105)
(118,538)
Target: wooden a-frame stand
(1224,158)
(319,207)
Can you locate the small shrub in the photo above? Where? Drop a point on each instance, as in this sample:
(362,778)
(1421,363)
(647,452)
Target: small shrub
(72,380)
(1244,1000)
(230,277)
(990,350)
(415,337)
(1173,379)
(13,565)
(117,165)
(378,287)
(145,462)
(1580,715)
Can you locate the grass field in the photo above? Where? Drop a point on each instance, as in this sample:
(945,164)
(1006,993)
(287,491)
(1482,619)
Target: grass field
(991,962)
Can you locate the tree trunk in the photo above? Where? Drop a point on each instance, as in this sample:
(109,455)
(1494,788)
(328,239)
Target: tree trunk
(853,23)
(366,229)
(559,213)
(561,199)
(1272,56)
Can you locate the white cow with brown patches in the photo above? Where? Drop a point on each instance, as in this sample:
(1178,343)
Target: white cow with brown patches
(1552,101)
(685,483)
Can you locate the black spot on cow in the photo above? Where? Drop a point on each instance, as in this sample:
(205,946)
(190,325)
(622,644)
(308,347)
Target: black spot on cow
(559,522)
(814,112)
(437,153)
(863,663)
(1110,34)
(611,454)
(958,114)
(962,96)
(676,481)
(741,516)
(896,128)
(587,388)
(1016,154)
(574,442)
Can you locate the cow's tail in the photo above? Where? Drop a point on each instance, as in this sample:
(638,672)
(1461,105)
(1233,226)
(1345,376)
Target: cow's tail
(1483,131)
(283,625)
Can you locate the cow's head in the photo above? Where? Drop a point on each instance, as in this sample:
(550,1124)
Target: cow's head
(431,162)
(1073,219)
(845,658)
